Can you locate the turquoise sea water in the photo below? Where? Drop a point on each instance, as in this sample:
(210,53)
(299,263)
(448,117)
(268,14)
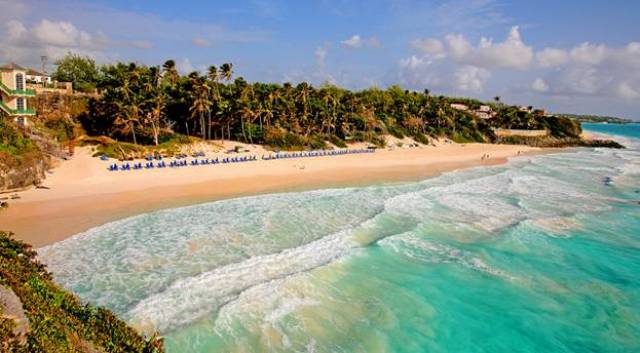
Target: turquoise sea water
(539,255)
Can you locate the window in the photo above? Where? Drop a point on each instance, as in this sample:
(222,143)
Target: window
(19,82)
(20,103)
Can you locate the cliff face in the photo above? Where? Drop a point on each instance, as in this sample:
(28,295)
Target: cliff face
(25,153)
(22,174)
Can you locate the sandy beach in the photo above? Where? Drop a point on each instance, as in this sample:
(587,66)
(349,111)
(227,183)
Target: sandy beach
(82,193)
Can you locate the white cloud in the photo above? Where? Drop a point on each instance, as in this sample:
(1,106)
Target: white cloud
(357,42)
(512,53)
(420,72)
(412,62)
(584,80)
(552,57)
(16,31)
(12,10)
(31,28)
(62,34)
(185,66)
(321,55)
(51,38)
(458,46)
(430,46)
(201,42)
(587,69)
(588,53)
(625,90)
(540,85)
(471,78)
(354,42)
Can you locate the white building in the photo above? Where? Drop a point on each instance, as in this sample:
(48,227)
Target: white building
(459,106)
(34,76)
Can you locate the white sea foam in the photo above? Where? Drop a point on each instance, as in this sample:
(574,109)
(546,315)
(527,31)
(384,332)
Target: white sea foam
(191,298)
(417,248)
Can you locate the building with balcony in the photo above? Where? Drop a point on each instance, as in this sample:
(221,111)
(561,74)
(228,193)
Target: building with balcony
(14,94)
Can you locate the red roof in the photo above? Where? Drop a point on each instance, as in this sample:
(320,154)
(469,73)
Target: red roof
(11,66)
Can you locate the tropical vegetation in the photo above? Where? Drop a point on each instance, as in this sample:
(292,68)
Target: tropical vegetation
(149,104)
(57,320)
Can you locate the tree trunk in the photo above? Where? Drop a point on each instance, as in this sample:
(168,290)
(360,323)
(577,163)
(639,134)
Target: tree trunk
(133,133)
(244,136)
(209,127)
(156,132)
(202,127)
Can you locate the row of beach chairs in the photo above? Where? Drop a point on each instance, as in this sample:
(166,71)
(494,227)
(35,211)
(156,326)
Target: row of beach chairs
(317,153)
(179,163)
(198,162)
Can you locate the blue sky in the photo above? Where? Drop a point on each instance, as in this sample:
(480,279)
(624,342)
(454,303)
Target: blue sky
(566,56)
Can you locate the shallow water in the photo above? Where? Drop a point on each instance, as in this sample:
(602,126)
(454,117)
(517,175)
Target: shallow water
(539,255)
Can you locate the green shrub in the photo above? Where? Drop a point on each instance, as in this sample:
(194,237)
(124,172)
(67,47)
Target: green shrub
(337,141)
(317,142)
(13,141)
(58,320)
(422,138)
(396,131)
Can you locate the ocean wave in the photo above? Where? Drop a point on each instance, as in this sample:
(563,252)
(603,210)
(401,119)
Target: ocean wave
(191,298)
(417,248)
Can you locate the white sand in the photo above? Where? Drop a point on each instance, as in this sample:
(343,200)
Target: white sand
(83,193)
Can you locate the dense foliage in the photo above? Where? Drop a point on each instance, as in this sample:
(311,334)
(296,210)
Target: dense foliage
(12,140)
(58,321)
(140,104)
(15,148)
(82,71)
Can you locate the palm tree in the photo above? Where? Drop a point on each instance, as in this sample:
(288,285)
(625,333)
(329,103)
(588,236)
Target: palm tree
(127,118)
(201,103)
(129,106)
(157,101)
(170,72)
(212,75)
(246,96)
(304,90)
(226,71)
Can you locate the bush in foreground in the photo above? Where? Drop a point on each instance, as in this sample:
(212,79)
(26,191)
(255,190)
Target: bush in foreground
(58,321)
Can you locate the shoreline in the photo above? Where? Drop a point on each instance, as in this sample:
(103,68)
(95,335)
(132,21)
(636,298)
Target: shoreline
(82,194)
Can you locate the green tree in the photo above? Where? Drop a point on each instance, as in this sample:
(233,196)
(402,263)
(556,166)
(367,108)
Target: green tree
(79,70)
